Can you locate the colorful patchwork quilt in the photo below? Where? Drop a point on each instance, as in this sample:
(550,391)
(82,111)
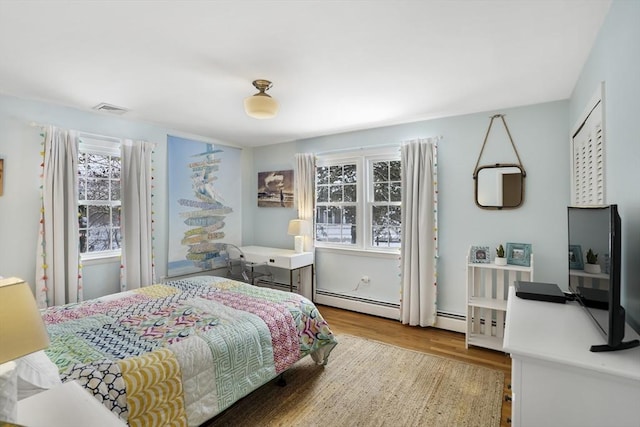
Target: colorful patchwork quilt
(179,353)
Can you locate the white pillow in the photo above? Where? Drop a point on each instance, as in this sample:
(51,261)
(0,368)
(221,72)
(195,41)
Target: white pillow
(36,373)
(8,398)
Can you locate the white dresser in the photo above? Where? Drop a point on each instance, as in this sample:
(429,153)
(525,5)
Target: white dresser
(556,380)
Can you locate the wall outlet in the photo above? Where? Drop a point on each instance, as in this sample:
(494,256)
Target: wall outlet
(365,279)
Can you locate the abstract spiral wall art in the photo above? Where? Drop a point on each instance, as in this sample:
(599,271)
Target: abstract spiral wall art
(204,203)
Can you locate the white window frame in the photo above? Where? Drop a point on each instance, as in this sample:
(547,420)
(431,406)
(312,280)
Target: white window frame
(104,146)
(327,161)
(369,202)
(363,159)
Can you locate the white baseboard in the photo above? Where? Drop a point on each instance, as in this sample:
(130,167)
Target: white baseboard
(455,325)
(442,322)
(358,306)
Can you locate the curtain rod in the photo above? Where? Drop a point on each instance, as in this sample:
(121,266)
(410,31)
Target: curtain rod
(80,133)
(370,147)
(37,125)
(83,133)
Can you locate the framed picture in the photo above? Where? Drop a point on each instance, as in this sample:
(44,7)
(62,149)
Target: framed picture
(480,254)
(575,257)
(519,254)
(275,189)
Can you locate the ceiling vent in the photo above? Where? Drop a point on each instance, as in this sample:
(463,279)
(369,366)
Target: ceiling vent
(108,108)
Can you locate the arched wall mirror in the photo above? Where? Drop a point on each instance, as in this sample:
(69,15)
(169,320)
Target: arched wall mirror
(499,185)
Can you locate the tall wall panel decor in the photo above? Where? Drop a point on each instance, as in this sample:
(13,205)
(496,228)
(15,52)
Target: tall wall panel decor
(204,203)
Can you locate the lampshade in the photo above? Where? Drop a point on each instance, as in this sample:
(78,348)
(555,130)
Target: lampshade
(261,105)
(299,227)
(21,328)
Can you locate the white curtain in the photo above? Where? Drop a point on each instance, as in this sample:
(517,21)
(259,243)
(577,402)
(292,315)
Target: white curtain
(58,270)
(419,252)
(304,178)
(136,222)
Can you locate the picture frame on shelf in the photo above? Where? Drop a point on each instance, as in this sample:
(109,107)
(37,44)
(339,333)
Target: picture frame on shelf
(480,255)
(575,257)
(519,254)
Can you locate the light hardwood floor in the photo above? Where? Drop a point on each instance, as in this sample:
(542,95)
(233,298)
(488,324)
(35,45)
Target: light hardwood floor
(429,340)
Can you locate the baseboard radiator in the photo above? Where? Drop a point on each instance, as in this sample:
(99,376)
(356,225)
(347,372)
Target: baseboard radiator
(444,320)
(483,326)
(357,298)
(276,285)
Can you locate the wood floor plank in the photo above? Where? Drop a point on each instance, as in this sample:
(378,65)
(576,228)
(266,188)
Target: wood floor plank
(429,340)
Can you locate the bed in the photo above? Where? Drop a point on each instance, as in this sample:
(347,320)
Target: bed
(181,352)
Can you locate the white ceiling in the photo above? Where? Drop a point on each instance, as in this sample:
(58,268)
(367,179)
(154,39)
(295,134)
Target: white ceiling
(336,65)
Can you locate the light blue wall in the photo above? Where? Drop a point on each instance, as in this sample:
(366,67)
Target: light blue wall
(615,59)
(540,133)
(20,146)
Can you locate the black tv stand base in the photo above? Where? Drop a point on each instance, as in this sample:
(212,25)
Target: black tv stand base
(621,346)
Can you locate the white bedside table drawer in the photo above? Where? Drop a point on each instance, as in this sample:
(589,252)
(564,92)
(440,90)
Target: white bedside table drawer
(291,262)
(280,258)
(68,405)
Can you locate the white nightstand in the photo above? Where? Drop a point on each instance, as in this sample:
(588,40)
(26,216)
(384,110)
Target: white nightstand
(68,405)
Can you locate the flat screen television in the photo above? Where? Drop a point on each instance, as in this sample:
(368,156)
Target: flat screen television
(597,287)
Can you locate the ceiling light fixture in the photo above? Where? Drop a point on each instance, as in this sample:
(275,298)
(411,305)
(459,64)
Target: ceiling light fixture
(261,105)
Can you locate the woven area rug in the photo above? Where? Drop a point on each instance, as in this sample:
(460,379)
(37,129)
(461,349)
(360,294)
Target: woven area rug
(368,383)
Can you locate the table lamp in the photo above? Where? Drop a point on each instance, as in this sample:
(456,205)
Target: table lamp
(22,332)
(299,228)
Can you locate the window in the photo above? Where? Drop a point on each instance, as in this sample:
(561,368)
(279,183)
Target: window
(358,201)
(336,203)
(99,198)
(384,204)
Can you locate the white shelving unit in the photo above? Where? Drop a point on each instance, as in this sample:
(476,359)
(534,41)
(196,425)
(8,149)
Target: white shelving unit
(588,280)
(487,293)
